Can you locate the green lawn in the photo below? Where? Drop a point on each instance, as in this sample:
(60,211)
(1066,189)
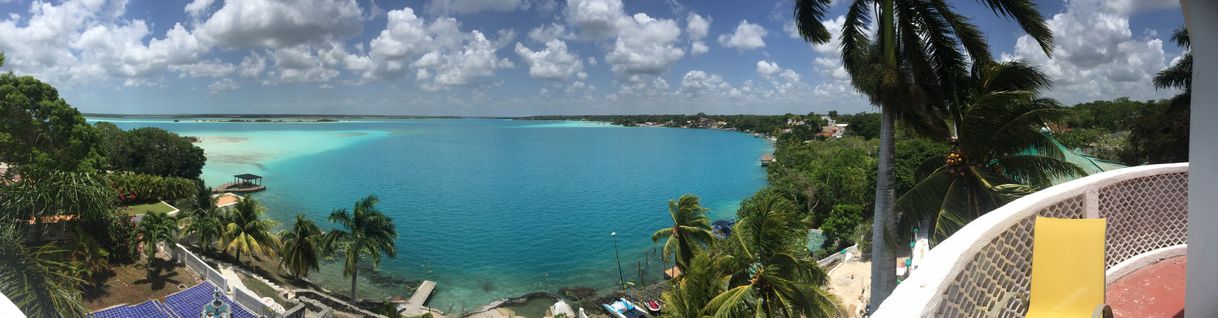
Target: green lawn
(148,207)
(262,289)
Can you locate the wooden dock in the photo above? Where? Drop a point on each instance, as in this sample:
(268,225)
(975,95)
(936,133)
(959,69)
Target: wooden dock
(414,305)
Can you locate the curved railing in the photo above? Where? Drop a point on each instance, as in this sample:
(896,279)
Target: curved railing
(985,268)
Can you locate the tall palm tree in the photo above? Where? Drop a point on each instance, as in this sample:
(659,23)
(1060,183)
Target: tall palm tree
(1000,152)
(769,270)
(910,69)
(301,247)
(35,279)
(155,228)
(247,231)
(366,233)
(690,230)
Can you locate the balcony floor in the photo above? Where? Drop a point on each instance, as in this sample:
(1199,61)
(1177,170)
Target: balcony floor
(1156,290)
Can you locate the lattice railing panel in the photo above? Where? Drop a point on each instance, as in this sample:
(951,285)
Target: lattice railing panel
(999,274)
(1144,214)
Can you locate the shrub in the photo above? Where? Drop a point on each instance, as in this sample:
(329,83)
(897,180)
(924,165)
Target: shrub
(136,187)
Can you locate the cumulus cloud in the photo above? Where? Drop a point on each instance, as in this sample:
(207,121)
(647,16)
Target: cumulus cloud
(458,7)
(438,53)
(549,32)
(645,46)
(698,83)
(554,62)
(1095,54)
(252,66)
(697,28)
(747,36)
(76,41)
(595,19)
(222,85)
(281,24)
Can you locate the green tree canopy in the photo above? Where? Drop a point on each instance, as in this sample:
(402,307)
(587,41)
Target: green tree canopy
(39,128)
(151,150)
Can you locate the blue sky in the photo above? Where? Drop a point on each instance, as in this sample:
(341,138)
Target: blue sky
(515,57)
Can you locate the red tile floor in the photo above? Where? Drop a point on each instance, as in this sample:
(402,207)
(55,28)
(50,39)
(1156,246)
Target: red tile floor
(1156,290)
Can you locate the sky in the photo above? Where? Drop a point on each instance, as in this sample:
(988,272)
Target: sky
(518,57)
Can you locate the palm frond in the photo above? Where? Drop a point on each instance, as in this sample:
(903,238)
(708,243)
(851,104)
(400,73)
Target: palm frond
(1025,13)
(808,14)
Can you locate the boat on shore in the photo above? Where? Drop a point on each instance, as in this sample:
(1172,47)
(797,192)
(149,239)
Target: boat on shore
(623,308)
(654,306)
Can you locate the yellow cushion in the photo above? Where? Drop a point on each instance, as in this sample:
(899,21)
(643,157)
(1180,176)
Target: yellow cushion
(1067,267)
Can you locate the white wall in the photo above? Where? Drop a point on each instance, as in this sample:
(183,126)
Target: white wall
(1202,286)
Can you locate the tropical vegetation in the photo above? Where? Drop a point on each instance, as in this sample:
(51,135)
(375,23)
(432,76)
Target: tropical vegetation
(247,231)
(1000,151)
(150,150)
(689,233)
(365,233)
(155,229)
(301,247)
(763,269)
(914,69)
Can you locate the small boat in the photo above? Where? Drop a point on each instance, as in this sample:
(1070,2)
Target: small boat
(624,309)
(654,305)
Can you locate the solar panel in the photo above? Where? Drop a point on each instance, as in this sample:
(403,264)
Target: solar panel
(190,302)
(147,309)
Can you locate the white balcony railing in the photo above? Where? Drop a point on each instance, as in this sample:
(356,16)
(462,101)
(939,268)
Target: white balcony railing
(985,268)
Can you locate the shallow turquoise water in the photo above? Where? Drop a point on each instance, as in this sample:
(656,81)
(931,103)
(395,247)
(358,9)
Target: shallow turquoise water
(488,208)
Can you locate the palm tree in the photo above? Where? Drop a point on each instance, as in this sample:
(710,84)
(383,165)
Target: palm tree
(301,247)
(910,69)
(1180,74)
(246,231)
(1000,153)
(207,224)
(34,278)
(696,288)
(690,230)
(769,270)
(155,228)
(366,233)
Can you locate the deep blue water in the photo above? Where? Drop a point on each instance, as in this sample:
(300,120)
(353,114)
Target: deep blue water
(489,208)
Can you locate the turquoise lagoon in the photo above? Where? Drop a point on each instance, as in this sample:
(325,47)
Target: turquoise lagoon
(487,208)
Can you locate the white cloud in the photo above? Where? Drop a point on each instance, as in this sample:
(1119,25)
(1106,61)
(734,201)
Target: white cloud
(645,46)
(252,66)
(696,28)
(1095,54)
(300,64)
(439,53)
(281,24)
(197,8)
(767,68)
(450,7)
(747,36)
(698,83)
(222,85)
(595,19)
(554,62)
(207,68)
(549,32)
(698,47)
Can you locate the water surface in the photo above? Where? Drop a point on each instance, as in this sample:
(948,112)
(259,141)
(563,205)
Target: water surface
(488,208)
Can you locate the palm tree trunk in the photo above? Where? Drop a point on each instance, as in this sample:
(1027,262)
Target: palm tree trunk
(354,274)
(883,258)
